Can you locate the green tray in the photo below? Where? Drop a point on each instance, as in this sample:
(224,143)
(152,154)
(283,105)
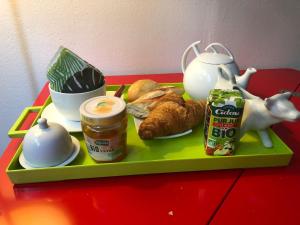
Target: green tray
(180,154)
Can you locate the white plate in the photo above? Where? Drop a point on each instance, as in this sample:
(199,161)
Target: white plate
(137,123)
(52,115)
(76,150)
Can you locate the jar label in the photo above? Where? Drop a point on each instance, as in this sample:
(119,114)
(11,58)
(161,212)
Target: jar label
(104,149)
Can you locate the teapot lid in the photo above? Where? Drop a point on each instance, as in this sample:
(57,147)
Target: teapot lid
(215,58)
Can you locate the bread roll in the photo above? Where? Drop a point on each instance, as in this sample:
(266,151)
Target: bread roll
(169,89)
(141,107)
(140,88)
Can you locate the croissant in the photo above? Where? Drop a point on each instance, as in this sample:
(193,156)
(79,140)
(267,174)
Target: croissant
(170,118)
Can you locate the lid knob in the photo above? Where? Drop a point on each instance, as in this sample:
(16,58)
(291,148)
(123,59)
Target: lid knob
(43,123)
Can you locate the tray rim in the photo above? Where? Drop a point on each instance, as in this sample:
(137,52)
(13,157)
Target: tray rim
(133,168)
(18,176)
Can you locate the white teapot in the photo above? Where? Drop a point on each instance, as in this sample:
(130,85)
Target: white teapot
(201,75)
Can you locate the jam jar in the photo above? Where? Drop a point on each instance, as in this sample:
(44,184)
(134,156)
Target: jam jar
(104,125)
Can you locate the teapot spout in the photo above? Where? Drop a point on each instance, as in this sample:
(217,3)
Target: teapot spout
(242,80)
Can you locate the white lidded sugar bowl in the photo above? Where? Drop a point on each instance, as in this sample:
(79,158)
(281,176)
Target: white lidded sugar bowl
(48,145)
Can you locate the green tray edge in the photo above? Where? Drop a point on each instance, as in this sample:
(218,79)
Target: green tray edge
(145,167)
(148,167)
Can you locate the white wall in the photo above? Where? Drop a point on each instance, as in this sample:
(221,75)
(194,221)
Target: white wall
(134,37)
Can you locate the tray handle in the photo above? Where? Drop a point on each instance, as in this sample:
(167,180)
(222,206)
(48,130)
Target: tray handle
(14,131)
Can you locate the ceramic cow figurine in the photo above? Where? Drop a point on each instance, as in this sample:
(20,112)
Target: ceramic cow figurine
(260,114)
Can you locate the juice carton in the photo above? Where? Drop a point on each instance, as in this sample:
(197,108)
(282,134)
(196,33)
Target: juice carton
(224,110)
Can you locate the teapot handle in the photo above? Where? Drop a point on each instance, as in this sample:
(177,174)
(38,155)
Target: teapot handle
(211,46)
(184,56)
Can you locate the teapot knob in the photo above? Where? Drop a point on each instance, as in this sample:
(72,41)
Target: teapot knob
(43,123)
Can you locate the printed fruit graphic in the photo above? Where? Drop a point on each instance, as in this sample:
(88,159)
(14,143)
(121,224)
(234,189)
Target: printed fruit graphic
(210,151)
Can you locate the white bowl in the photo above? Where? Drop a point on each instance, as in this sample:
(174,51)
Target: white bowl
(67,104)
(47,145)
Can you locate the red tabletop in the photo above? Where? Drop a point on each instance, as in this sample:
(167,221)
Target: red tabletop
(215,197)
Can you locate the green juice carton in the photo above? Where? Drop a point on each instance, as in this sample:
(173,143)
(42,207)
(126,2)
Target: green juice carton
(224,110)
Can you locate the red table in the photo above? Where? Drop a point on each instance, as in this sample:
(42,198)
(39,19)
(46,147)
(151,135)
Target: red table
(252,196)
